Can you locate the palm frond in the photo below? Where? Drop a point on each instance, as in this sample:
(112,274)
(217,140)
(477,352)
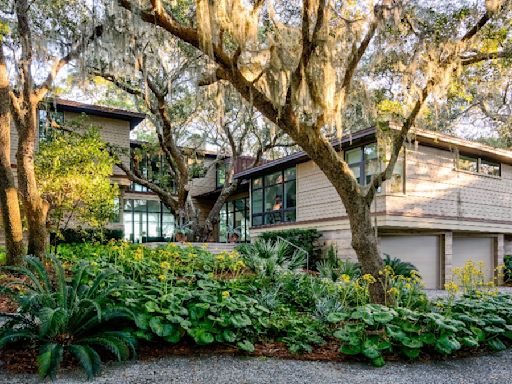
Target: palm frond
(49,359)
(88,358)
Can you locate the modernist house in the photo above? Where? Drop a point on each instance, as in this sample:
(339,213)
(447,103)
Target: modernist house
(448,201)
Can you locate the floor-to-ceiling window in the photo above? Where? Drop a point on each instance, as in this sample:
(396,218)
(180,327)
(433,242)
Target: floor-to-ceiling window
(146,221)
(234,215)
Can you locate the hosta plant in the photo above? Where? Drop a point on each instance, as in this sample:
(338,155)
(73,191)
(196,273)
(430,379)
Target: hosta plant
(59,316)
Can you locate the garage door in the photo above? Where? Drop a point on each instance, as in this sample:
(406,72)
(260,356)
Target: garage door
(476,249)
(422,251)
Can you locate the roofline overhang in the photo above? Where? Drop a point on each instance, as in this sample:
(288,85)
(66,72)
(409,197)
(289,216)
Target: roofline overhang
(62,105)
(430,138)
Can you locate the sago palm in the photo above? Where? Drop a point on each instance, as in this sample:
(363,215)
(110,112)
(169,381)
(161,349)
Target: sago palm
(59,316)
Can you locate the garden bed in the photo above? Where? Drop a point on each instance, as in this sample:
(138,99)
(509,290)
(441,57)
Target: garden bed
(188,302)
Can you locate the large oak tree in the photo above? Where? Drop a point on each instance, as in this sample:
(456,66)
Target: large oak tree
(297,62)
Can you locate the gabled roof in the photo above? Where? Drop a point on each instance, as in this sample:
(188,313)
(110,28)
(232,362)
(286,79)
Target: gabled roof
(430,138)
(135,118)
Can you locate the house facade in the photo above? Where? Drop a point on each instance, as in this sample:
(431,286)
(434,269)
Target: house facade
(449,201)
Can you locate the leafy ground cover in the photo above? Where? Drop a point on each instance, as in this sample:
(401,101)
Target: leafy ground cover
(259,300)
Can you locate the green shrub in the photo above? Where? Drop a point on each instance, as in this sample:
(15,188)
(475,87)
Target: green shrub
(306,239)
(77,236)
(402,268)
(3,255)
(59,317)
(332,267)
(507,272)
(269,258)
(375,330)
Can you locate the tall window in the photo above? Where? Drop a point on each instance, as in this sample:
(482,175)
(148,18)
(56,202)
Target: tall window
(220,177)
(478,165)
(274,198)
(365,164)
(45,123)
(146,221)
(235,215)
(155,169)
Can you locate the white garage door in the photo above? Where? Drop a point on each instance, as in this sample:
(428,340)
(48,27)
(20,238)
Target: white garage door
(422,251)
(476,249)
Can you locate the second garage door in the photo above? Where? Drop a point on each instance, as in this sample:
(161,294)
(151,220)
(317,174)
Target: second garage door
(422,251)
(477,249)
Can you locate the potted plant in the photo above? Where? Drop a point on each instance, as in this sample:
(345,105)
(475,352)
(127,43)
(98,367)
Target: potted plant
(233,234)
(182,232)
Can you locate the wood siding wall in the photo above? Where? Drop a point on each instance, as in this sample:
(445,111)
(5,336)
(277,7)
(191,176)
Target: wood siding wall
(434,188)
(317,199)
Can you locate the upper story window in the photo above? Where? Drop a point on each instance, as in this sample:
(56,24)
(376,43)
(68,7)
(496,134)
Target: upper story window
(274,198)
(155,169)
(478,165)
(364,163)
(220,176)
(45,123)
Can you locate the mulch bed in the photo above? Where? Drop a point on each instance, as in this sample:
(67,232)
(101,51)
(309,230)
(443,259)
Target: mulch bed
(23,360)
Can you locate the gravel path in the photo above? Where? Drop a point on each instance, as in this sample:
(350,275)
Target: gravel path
(235,370)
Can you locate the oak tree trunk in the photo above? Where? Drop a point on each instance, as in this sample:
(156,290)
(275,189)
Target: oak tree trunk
(213,216)
(9,204)
(366,246)
(36,208)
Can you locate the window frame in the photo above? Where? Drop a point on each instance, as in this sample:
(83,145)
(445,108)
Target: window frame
(218,168)
(361,163)
(45,132)
(230,210)
(479,160)
(280,213)
(147,164)
(162,210)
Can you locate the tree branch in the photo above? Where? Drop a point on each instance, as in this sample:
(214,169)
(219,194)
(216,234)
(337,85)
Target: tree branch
(42,90)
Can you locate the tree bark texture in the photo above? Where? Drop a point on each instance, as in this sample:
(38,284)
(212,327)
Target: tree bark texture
(9,204)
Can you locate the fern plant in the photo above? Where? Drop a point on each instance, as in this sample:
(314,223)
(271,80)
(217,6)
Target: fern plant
(59,316)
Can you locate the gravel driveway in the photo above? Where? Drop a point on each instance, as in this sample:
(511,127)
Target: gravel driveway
(235,370)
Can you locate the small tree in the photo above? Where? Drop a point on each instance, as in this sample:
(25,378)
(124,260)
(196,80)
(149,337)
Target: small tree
(37,39)
(73,171)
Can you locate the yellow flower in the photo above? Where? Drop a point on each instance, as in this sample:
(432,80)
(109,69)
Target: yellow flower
(162,277)
(369,278)
(408,286)
(165,265)
(451,287)
(225,294)
(345,278)
(240,264)
(393,291)
(219,257)
(205,246)
(139,254)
